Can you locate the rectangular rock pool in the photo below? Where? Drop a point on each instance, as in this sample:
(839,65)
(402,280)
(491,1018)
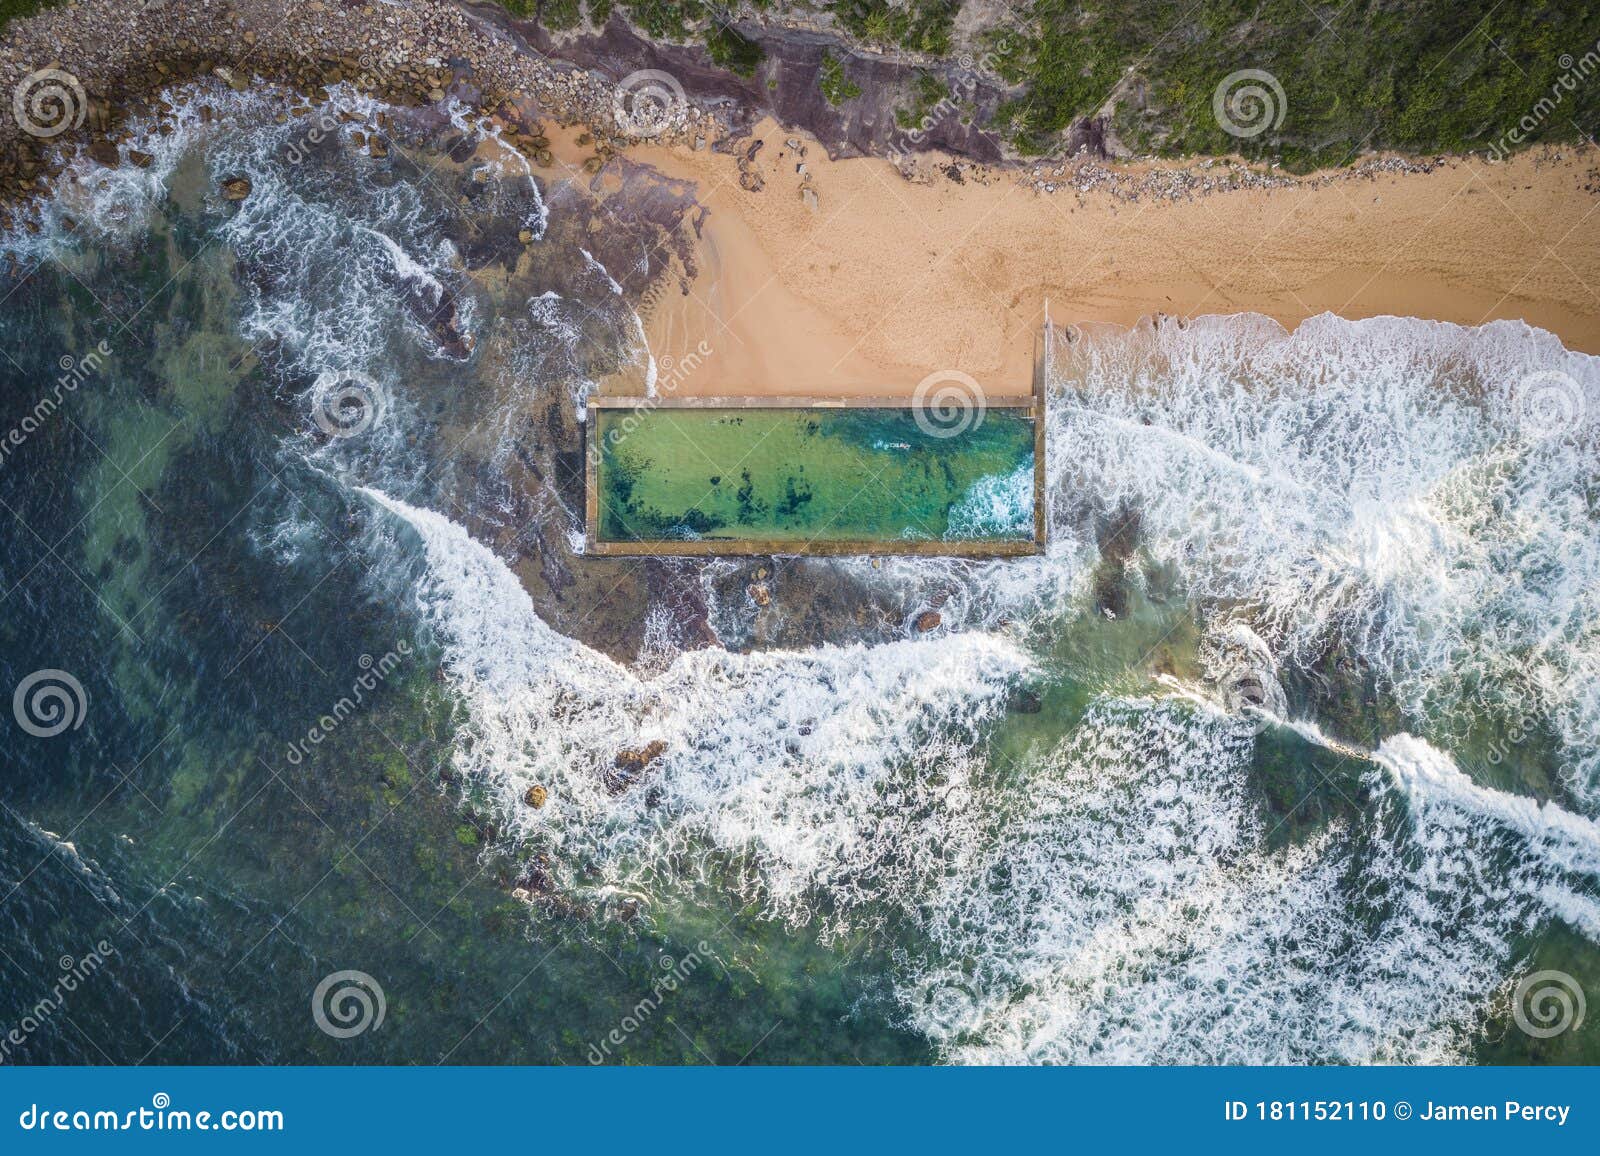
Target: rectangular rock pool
(812,476)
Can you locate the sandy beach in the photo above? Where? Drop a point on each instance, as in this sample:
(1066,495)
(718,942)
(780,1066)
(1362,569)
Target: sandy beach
(842,277)
(887,280)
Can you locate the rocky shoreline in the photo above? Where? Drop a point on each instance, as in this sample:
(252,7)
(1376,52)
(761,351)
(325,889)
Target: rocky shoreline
(79,74)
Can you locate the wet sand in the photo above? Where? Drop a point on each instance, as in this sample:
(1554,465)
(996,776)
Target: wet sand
(889,280)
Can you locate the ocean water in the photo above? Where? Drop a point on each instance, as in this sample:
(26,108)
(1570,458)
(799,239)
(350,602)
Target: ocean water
(1285,750)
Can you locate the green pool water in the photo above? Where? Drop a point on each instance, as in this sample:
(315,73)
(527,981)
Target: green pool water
(810,475)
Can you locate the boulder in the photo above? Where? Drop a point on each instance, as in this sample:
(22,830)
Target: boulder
(928,620)
(236,188)
(630,765)
(536,796)
(105,152)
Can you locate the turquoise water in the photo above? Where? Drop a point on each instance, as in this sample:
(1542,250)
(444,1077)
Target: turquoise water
(815,475)
(1285,750)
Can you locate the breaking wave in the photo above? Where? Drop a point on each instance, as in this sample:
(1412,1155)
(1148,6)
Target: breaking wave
(1077,864)
(1377,486)
(1119,894)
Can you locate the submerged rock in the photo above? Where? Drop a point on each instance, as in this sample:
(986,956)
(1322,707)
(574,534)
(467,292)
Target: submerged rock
(1024,700)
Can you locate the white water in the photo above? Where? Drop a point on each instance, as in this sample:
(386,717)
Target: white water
(1117,894)
(1120,896)
(1377,484)
(792,756)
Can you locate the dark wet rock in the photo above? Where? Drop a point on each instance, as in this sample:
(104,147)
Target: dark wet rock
(236,188)
(104,151)
(786,85)
(536,879)
(631,764)
(637,758)
(929,620)
(1118,539)
(1024,700)
(1118,534)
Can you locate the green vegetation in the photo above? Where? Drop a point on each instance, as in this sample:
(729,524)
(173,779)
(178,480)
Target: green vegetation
(836,86)
(1355,75)
(11,9)
(557,15)
(734,52)
(915,25)
(928,91)
(1416,75)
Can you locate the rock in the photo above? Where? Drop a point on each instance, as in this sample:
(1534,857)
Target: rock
(637,758)
(236,188)
(928,620)
(105,152)
(525,236)
(1024,701)
(139,159)
(536,796)
(759,594)
(631,764)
